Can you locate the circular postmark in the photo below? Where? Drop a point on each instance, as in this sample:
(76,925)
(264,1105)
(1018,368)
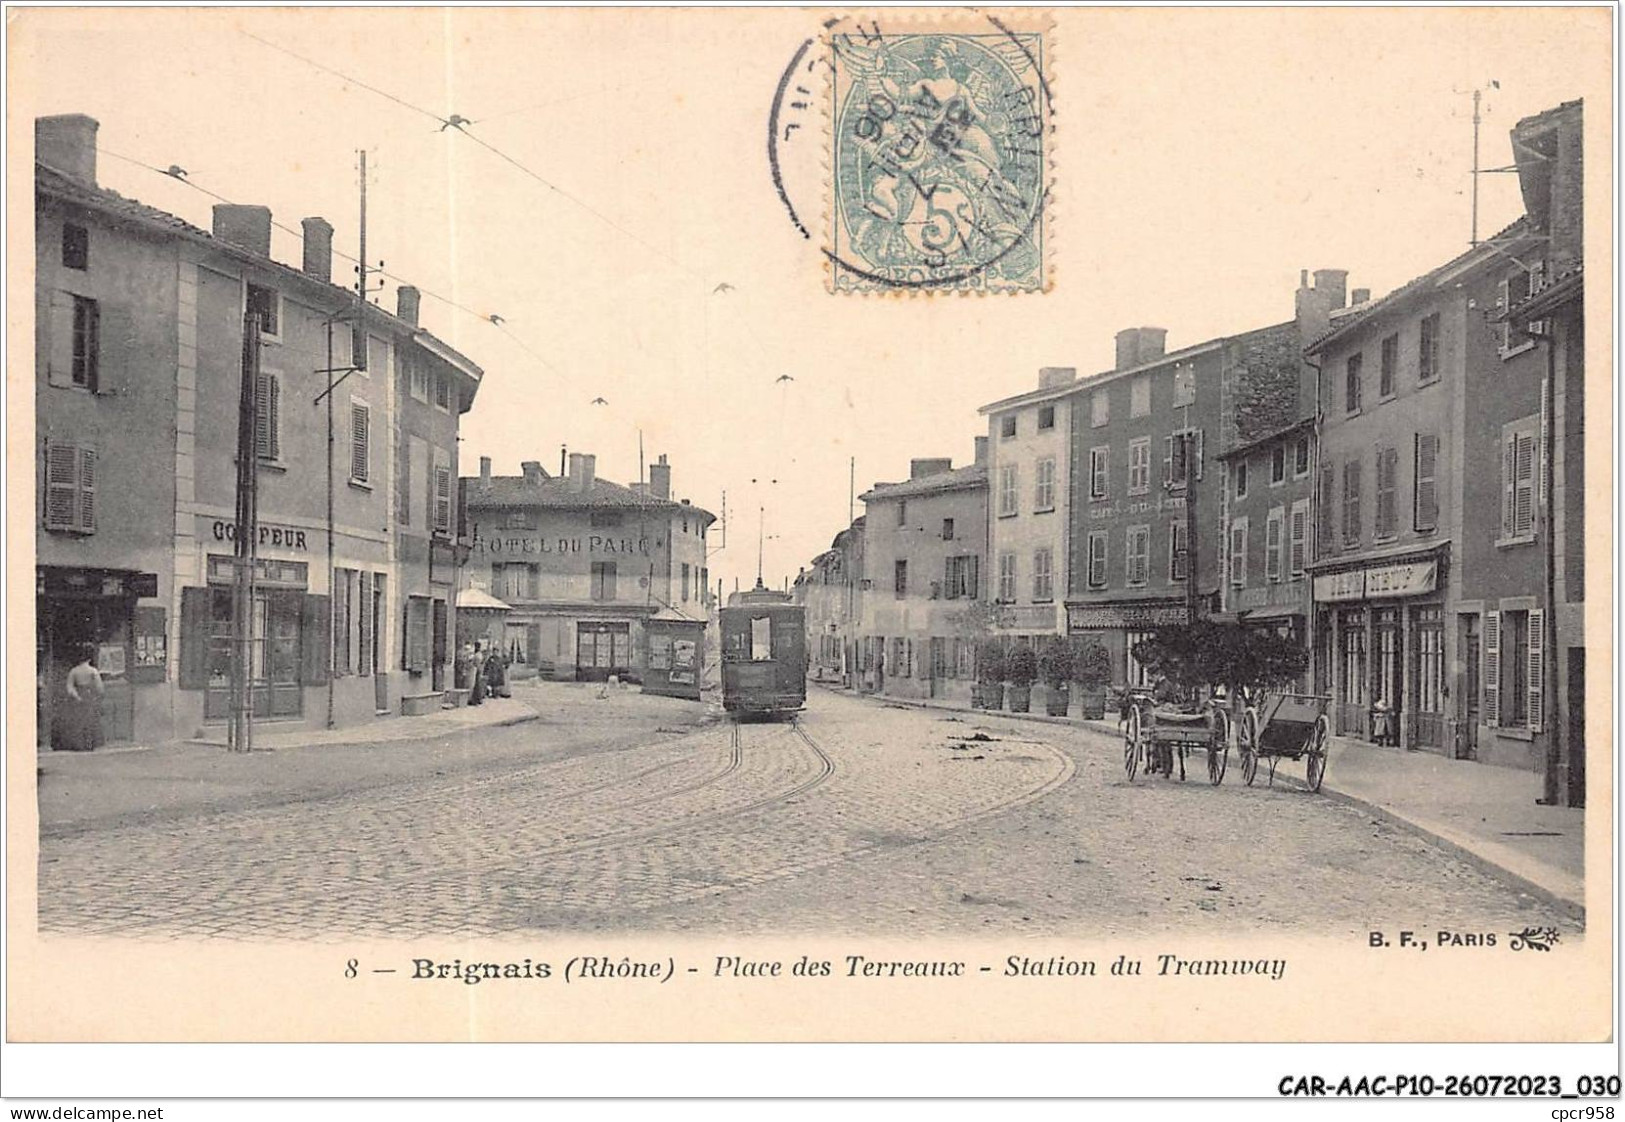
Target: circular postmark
(933,143)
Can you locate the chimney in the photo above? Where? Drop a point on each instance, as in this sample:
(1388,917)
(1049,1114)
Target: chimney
(68,144)
(574,471)
(1152,343)
(532,469)
(660,478)
(1361,296)
(485,473)
(1128,348)
(407,300)
(246,227)
(918,468)
(981,451)
(318,249)
(1334,283)
(1051,376)
(589,469)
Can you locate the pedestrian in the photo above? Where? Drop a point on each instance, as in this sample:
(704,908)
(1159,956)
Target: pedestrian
(82,718)
(476,684)
(496,674)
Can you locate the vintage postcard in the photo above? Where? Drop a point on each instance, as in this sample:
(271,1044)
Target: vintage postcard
(996,525)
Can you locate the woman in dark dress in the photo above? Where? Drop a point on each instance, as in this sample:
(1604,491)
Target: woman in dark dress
(476,685)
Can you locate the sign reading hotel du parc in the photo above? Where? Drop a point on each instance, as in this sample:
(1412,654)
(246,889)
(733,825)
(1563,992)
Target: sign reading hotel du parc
(1412,578)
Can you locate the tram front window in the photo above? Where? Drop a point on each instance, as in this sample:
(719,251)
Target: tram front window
(761,647)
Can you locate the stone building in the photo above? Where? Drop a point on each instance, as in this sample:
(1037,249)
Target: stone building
(925,545)
(583,563)
(140,321)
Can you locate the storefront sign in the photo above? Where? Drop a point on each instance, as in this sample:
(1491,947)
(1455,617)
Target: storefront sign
(285,537)
(268,572)
(144,585)
(1126,507)
(1412,578)
(1126,616)
(593,544)
(1027,617)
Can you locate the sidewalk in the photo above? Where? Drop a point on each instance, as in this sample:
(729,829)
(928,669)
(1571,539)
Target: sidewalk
(1483,814)
(131,785)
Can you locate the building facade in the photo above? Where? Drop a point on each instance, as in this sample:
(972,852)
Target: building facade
(1544,310)
(1404,469)
(141,321)
(925,546)
(584,563)
(1139,451)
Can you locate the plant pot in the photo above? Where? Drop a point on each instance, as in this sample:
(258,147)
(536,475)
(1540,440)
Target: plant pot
(1057,699)
(990,694)
(1020,698)
(1092,704)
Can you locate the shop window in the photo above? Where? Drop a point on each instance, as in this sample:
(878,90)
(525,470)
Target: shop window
(70,487)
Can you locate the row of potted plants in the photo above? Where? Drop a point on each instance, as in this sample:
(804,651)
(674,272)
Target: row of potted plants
(1058,661)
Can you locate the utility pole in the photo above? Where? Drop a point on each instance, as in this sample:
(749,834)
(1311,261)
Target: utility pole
(246,529)
(1477,96)
(1188,443)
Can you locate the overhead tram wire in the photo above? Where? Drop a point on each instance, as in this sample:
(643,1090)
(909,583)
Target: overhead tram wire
(498,322)
(447,122)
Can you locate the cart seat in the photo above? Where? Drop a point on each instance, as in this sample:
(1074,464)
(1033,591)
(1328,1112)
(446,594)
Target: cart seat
(1178,717)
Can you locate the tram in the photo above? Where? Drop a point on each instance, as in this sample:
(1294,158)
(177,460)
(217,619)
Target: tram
(764,653)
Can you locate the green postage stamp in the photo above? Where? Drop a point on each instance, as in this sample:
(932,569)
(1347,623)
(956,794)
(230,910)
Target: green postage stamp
(939,156)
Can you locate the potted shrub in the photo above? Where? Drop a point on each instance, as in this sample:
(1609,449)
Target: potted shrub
(1055,668)
(1092,670)
(1021,671)
(990,670)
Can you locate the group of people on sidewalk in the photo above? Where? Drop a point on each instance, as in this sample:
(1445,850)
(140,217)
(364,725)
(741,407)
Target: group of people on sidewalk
(482,671)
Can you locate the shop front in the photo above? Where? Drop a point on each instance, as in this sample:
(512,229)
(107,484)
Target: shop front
(1119,627)
(674,649)
(97,613)
(603,650)
(276,643)
(1380,651)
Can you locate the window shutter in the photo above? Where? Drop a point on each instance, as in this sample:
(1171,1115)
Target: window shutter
(1199,456)
(1351,502)
(58,339)
(267,428)
(360,458)
(1387,486)
(1523,500)
(1492,668)
(196,608)
(87,490)
(317,650)
(1324,539)
(403,493)
(1509,472)
(115,343)
(1427,487)
(1272,550)
(61,486)
(1300,534)
(1167,460)
(363,623)
(1503,301)
(973,587)
(1537,668)
(442,494)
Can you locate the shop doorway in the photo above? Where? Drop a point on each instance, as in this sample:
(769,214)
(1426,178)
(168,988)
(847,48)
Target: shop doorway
(602,650)
(1471,686)
(274,654)
(66,625)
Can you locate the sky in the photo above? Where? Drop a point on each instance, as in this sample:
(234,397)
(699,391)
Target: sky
(612,202)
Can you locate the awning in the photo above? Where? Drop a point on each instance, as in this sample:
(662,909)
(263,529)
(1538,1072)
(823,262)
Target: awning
(1274,611)
(476,598)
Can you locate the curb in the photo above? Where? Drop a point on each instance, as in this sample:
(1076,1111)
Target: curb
(1557,898)
(506,722)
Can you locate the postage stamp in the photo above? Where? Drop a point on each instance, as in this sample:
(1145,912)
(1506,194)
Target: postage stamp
(939,157)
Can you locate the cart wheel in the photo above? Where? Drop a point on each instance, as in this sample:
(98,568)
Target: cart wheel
(1218,749)
(1131,742)
(1247,743)
(1317,753)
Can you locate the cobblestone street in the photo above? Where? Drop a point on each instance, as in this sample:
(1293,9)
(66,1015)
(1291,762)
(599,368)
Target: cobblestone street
(859,817)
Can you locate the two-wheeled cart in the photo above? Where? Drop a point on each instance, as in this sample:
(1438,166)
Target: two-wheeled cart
(1158,736)
(1285,726)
